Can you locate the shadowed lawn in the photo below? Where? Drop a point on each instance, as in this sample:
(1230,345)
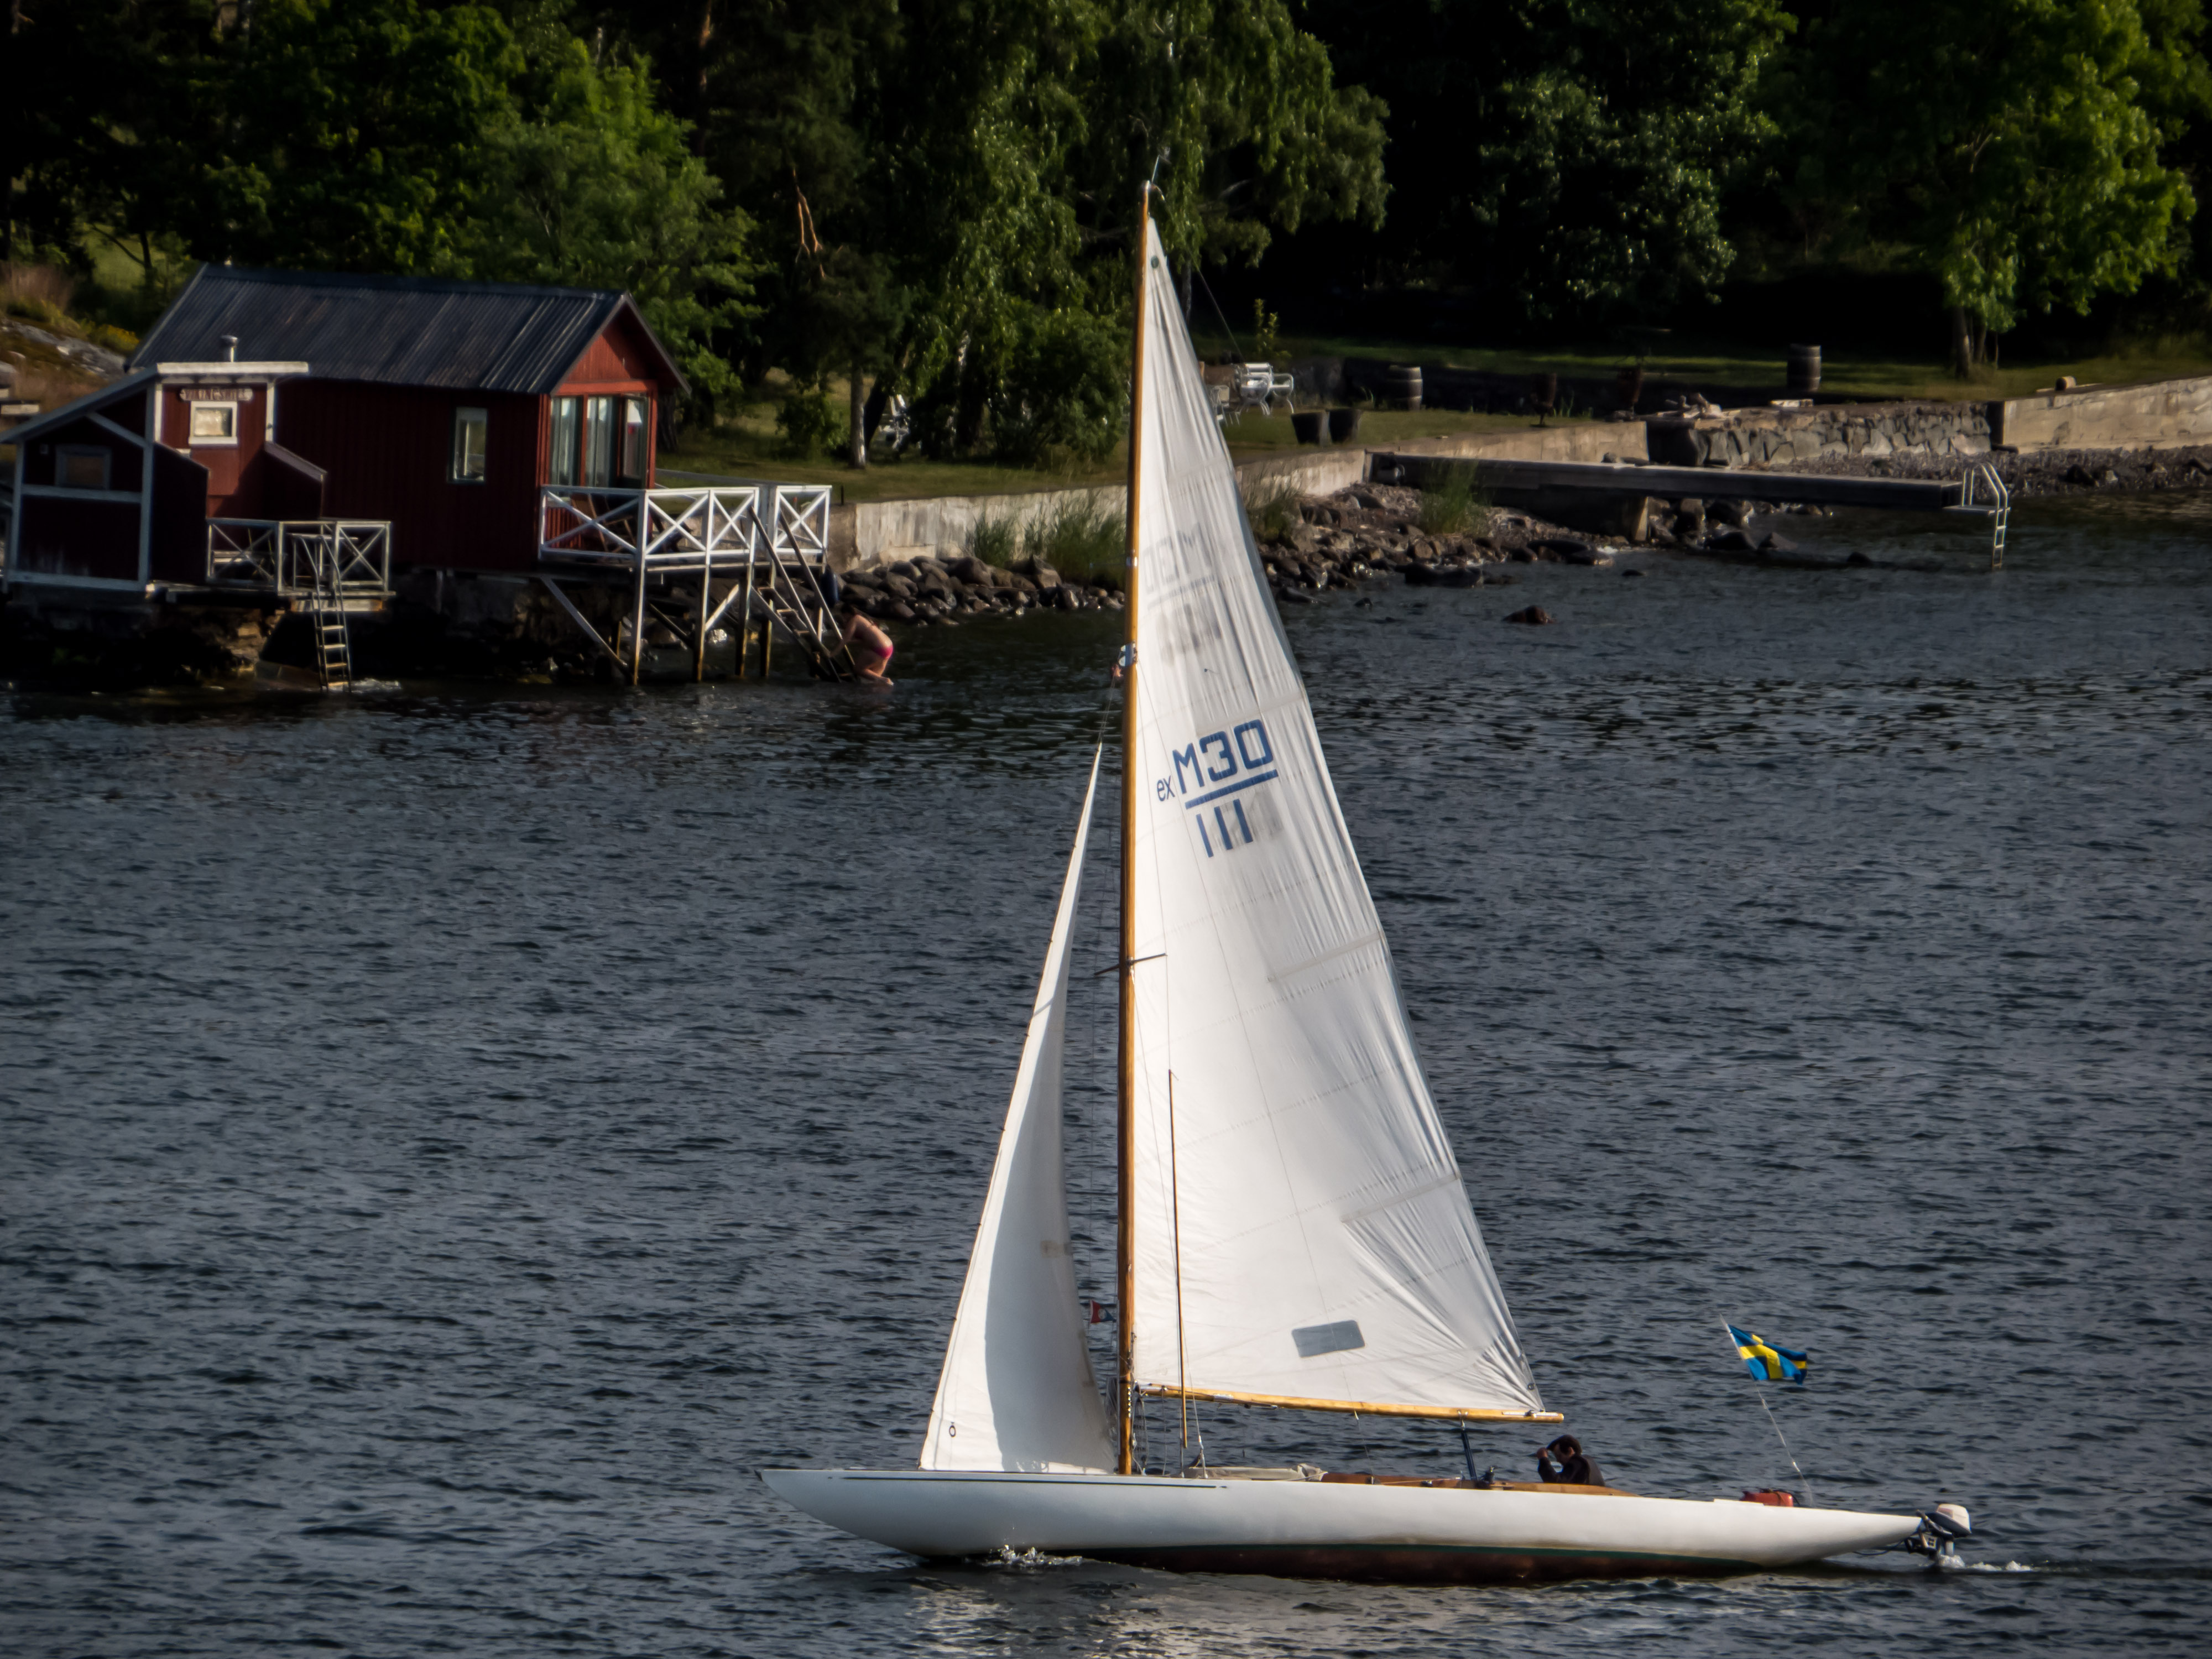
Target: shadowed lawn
(1872,378)
(748,447)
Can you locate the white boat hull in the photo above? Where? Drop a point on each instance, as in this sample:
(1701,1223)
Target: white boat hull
(1308,1529)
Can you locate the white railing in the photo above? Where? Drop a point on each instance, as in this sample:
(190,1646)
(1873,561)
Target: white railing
(347,556)
(683,529)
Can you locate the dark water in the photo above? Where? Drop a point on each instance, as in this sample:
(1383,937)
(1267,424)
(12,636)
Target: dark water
(452,1137)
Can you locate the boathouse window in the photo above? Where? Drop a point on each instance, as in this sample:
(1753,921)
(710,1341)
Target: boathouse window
(560,463)
(82,469)
(632,469)
(599,440)
(471,426)
(215,423)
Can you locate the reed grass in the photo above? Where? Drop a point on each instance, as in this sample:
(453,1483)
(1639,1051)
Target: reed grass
(1082,539)
(994,541)
(1454,506)
(1271,509)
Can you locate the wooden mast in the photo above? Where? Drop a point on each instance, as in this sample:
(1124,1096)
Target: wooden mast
(1126,1077)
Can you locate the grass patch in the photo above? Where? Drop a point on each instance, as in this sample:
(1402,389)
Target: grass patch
(1080,539)
(993,541)
(1870,377)
(1454,507)
(1271,509)
(748,446)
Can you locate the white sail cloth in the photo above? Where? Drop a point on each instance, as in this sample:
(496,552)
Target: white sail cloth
(1017,1391)
(1301,1228)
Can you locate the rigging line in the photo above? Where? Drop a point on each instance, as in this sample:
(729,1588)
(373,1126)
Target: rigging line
(1234,344)
(1175,1223)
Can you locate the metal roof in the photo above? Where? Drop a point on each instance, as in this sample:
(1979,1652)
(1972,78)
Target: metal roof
(394,331)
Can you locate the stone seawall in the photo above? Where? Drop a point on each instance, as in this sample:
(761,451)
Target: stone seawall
(2157,415)
(1770,437)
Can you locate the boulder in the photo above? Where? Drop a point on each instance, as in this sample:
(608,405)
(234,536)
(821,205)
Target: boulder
(1534,616)
(1730,541)
(971,570)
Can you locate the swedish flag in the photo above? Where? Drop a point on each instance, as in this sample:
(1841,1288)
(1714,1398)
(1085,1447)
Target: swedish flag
(1768,1363)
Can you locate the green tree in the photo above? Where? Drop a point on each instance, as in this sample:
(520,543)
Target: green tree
(595,187)
(1566,159)
(931,178)
(779,98)
(353,134)
(1239,109)
(2010,149)
(111,126)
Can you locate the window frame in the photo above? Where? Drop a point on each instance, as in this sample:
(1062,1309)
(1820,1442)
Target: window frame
(195,438)
(635,415)
(64,453)
(564,461)
(466,420)
(599,445)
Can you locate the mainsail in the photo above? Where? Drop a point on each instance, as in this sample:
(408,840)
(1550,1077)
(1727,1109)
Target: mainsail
(1301,1230)
(1017,1391)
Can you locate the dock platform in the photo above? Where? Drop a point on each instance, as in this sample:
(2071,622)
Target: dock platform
(1603,495)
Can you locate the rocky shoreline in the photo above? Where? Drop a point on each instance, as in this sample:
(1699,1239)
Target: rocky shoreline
(1364,533)
(925,590)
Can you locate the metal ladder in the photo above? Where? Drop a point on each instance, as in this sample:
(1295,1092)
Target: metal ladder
(326,615)
(1983,490)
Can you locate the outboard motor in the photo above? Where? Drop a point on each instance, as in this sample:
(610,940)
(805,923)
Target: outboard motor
(1941,1530)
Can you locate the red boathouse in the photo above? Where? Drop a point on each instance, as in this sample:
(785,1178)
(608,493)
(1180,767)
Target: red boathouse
(302,441)
(442,407)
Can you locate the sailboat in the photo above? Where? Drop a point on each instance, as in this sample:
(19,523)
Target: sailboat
(1294,1232)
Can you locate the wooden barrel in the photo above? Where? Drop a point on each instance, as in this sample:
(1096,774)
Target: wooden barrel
(1401,385)
(1343,426)
(1804,370)
(1310,426)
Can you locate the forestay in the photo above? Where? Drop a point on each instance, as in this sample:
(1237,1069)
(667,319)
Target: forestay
(1017,1391)
(1301,1232)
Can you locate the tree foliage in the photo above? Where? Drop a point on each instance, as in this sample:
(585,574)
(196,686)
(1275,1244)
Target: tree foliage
(592,185)
(354,133)
(939,195)
(2012,147)
(1564,158)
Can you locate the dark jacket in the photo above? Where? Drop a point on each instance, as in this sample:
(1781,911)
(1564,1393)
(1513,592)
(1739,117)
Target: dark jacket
(1580,1470)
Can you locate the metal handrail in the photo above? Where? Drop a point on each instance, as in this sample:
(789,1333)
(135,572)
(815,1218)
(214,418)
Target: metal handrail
(291,554)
